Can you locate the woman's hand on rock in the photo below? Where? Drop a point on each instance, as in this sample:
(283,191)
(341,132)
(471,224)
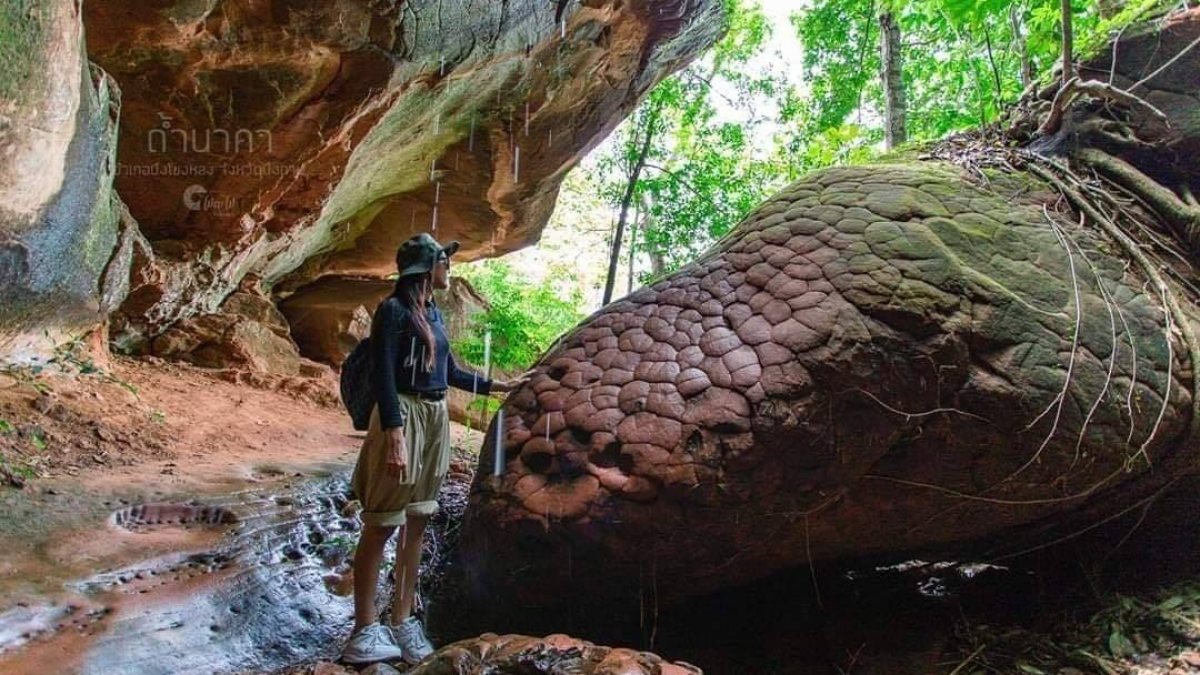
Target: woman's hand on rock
(505,386)
(397,454)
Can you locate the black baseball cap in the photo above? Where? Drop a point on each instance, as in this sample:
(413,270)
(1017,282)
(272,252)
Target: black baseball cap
(418,254)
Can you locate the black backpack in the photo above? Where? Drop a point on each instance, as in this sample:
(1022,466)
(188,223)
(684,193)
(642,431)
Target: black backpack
(356,385)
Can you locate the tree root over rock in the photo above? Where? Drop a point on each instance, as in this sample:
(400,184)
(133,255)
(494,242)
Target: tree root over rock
(1094,128)
(1174,314)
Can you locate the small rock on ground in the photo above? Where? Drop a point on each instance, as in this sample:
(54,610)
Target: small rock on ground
(379,669)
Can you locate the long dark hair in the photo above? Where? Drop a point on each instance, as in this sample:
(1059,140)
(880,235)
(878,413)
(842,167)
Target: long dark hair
(413,291)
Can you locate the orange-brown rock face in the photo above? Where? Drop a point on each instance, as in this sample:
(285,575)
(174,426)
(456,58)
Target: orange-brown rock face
(306,138)
(880,359)
(328,317)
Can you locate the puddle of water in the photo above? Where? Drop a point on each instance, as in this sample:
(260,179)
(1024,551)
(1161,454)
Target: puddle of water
(244,589)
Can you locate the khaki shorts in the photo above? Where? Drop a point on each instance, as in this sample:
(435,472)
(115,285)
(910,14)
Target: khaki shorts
(385,499)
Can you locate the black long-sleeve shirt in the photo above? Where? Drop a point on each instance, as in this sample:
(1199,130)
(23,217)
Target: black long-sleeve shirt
(398,360)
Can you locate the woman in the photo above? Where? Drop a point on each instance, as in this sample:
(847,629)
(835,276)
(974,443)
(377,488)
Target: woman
(407,450)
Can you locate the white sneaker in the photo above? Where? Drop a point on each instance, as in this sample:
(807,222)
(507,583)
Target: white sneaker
(410,635)
(372,643)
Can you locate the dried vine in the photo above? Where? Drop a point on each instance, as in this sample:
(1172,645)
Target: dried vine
(1083,138)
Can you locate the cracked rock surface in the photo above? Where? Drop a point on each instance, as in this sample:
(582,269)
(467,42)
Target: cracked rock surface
(878,359)
(491,653)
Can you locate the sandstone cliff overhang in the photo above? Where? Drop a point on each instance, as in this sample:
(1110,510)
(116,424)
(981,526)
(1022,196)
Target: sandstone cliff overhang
(293,140)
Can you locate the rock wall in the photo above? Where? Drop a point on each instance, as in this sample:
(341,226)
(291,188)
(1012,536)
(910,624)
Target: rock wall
(249,333)
(66,239)
(296,139)
(1175,91)
(329,317)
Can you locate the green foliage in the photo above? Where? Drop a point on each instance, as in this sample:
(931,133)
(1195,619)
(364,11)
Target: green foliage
(961,58)
(702,173)
(723,134)
(70,357)
(1097,35)
(485,405)
(1122,632)
(16,472)
(841,60)
(340,546)
(525,316)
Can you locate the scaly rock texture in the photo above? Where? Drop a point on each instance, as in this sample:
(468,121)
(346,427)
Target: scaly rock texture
(491,653)
(294,139)
(879,359)
(66,240)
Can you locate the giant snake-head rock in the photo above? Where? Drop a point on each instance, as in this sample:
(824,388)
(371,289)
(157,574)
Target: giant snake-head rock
(949,355)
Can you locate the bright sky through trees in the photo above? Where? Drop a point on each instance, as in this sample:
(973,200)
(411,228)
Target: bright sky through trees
(781,54)
(575,245)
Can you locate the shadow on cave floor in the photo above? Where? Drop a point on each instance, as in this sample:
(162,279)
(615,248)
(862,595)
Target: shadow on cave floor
(912,617)
(906,617)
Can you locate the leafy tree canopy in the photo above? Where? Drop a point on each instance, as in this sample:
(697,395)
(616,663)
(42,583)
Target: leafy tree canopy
(524,318)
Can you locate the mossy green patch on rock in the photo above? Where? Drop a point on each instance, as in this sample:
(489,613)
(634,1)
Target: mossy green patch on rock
(24,26)
(59,245)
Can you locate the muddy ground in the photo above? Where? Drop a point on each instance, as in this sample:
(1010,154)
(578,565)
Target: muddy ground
(248,474)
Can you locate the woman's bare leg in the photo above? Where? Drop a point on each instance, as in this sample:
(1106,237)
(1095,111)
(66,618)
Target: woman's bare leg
(408,566)
(367,558)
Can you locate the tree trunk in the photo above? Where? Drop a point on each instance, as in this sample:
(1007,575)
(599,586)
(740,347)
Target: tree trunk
(658,264)
(626,200)
(893,80)
(633,230)
(1014,17)
(1068,70)
(868,19)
